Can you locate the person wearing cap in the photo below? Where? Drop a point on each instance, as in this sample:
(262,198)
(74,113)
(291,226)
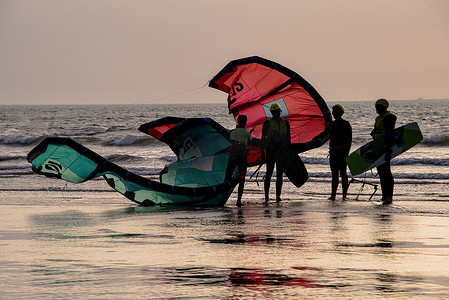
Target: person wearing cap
(240,136)
(340,139)
(275,135)
(384,126)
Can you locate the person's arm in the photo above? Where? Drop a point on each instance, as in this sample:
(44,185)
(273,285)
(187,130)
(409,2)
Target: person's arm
(289,137)
(348,136)
(389,122)
(249,138)
(373,132)
(265,128)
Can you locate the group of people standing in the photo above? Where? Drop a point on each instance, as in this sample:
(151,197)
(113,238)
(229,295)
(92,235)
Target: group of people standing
(340,139)
(276,134)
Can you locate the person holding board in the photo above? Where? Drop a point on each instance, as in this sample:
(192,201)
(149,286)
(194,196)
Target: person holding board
(384,127)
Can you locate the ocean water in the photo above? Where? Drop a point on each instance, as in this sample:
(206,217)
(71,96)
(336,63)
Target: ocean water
(61,240)
(111,131)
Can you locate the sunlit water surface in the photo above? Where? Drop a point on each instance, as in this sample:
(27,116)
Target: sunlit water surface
(317,249)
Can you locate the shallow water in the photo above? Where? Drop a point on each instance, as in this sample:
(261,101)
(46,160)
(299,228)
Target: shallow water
(297,248)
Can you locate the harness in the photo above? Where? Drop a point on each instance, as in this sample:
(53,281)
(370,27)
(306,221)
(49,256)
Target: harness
(240,136)
(277,134)
(379,127)
(280,128)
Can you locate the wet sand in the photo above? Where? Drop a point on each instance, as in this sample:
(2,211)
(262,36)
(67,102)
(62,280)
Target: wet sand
(98,245)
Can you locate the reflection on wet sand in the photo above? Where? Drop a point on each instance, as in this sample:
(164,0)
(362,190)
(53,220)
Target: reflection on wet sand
(258,277)
(278,251)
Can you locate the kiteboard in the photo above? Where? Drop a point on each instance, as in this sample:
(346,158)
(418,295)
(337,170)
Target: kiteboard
(372,154)
(293,167)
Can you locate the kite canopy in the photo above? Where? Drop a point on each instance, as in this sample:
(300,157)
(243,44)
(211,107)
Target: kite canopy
(189,138)
(196,137)
(255,83)
(200,145)
(198,177)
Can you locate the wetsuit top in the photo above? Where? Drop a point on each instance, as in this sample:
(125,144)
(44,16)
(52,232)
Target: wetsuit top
(240,135)
(276,134)
(276,128)
(340,135)
(384,126)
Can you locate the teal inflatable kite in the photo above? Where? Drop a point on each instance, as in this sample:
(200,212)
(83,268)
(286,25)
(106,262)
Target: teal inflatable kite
(196,178)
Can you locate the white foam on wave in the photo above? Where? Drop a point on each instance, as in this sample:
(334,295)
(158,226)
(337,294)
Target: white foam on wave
(11,157)
(167,158)
(395,161)
(420,161)
(19,140)
(436,140)
(315,160)
(15,167)
(396,175)
(123,158)
(124,140)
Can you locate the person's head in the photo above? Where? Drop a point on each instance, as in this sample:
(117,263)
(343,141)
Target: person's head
(381,106)
(275,109)
(241,121)
(337,111)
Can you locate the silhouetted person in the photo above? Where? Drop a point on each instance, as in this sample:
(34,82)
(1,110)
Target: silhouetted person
(240,136)
(384,126)
(340,139)
(275,135)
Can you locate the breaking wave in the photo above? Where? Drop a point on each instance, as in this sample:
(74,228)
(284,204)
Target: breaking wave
(395,161)
(11,157)
(396,175)
(19,140)
(129,140)
(421,161)
(117,158)
(437,140)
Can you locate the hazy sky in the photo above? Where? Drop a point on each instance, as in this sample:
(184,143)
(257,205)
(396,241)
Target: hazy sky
(130,51)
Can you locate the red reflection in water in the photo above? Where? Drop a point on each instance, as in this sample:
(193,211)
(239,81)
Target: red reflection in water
(257,277)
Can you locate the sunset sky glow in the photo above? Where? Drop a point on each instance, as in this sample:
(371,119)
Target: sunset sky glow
(165,51)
